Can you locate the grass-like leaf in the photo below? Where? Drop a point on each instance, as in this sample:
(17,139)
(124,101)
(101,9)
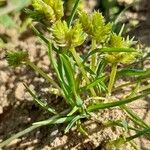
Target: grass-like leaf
(98,106)
(139,133)
(43,104)
(136,119)
(107,50)
(72,122)
(133,72)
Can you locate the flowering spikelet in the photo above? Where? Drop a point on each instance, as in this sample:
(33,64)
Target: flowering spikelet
(60,31)
(76,36)
(16,58)
(94,25)
(68,37)
(117,41)
(52,10)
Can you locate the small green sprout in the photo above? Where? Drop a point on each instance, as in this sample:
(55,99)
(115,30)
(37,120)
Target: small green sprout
(16,58)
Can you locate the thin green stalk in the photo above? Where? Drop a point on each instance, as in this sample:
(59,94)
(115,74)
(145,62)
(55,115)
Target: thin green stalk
(116,123)
(78,61)
(143,88)
(93,58)
(19,134)
(140,133)
(44,75)
(112,78)
(80,128)
(98,106)
(130,83)
(31,128)
(73,12)
(44,105)
(135,118)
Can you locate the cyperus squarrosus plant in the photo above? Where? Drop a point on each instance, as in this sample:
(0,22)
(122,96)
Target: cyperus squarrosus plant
(82,77)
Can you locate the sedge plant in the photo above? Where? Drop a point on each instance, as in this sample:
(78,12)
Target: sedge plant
(80,76)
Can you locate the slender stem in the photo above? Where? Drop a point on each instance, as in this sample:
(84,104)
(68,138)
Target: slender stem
(112,78)
(93,57)
(134,117)
(43,74)
(140,133)
(31,128)
(73,12)
(130,83)
(98,106)
(80,128)
(78,61)
(19,134)
(144,88)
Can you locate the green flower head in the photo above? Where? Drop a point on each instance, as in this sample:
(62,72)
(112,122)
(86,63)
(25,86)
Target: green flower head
(50,10)
(94,25)
(116,41)
(75,36)
(68,37)
(60,30)
(16,58)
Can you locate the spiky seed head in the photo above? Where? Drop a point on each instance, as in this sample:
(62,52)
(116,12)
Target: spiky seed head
(95,26)
(60,31)
(68,37)
(116,41)
(86,22)
(16,58)
(76,35)
(51,10)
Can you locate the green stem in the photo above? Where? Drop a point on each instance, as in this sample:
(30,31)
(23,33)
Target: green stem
(130,83)
(140,133)
(73,12)
(79,63)
(133,116)
(43,74)
(112,78)
(94,107)
(80,128)
(53,61)
(93,58)
(19,134)
(31,128)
